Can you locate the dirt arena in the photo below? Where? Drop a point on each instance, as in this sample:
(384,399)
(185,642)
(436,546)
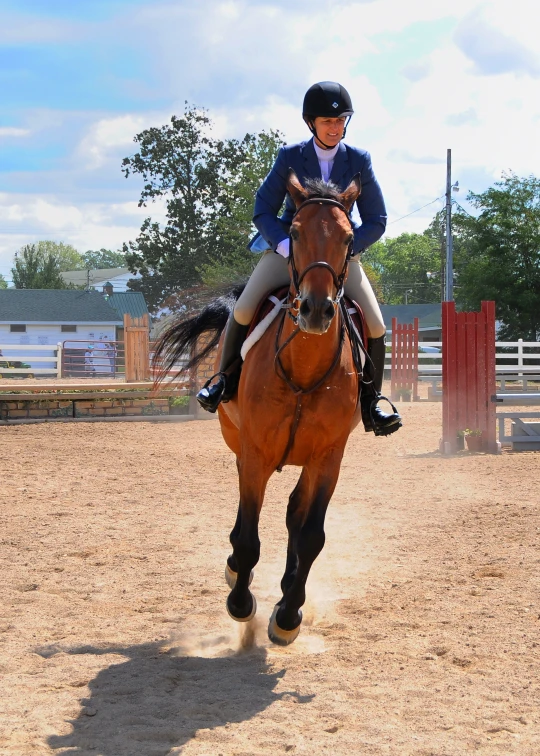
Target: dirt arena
(421,633)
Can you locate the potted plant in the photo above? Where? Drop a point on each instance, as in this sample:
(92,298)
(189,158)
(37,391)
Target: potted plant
(179,405)
(474,440)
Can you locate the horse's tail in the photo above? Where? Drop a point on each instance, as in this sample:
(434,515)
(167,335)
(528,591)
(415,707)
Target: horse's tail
(181,339)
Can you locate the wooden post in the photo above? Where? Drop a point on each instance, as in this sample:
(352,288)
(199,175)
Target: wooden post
(137,349)
(468,375)
(404,359)
(59,359)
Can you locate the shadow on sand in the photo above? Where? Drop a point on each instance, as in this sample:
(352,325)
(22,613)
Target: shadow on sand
(158,698)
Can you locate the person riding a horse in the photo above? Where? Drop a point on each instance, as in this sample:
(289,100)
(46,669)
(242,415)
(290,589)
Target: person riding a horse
(327,110)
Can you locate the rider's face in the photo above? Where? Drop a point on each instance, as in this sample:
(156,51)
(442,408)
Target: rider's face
(329,130)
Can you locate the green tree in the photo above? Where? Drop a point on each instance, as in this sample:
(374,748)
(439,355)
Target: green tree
(499,254)
(208,186)
(102,259)
(33,270)
(233,226)
(3,282)
(401,266)
(66,256)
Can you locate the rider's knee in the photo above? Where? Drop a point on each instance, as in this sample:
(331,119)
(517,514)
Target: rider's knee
(243,314)
(376,330)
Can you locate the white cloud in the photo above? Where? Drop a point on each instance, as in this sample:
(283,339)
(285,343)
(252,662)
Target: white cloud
(107,135)
(484,37)
(251,70)
(12,131)
(26,29)
(85,226)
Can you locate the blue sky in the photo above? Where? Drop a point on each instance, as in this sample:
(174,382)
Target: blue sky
(79,80)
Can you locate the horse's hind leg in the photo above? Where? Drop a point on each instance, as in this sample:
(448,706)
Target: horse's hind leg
(287,617)
(244,537)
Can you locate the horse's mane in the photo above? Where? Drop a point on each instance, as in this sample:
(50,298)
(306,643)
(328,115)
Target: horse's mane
(320,189)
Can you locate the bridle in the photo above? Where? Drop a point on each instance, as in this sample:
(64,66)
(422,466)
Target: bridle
(296,279)
(293,310)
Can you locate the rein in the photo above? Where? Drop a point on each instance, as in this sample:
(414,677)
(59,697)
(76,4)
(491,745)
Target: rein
(296,281)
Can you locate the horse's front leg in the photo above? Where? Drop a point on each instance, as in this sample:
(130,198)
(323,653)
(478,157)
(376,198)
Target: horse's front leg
(296,513)
(244,538)
(317,483)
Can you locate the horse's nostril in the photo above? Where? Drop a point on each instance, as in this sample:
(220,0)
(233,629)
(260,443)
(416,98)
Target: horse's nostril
(329,311)
(305,307)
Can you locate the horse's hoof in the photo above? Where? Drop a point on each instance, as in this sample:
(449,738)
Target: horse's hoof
(279,636)
(231,575)
(250,615)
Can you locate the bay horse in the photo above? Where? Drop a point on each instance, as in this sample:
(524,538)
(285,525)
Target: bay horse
(297,399)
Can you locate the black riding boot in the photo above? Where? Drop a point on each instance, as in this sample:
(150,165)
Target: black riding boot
(230,365)
(374,419)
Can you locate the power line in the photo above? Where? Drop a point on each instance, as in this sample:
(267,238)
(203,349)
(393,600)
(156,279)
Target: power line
(463,210)
(417,210)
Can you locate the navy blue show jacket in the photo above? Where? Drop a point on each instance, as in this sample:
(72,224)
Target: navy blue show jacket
(302,158)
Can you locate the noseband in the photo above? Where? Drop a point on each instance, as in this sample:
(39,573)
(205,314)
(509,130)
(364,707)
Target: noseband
(297,278)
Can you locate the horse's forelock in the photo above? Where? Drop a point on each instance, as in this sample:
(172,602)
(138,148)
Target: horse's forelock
(320,189)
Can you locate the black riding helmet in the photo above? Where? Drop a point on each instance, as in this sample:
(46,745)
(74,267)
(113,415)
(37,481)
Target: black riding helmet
(326,99)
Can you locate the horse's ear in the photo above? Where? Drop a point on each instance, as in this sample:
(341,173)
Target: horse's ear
(351,193)
(295,188)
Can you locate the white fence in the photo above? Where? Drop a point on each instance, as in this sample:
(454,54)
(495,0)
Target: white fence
(514,365)
(42,359)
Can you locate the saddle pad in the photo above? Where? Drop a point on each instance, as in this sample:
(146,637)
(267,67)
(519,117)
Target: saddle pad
(265,314)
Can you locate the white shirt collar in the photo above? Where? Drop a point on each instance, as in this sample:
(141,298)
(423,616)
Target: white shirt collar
(325,154)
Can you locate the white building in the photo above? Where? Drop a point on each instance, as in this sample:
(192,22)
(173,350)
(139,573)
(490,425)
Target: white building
(77,319)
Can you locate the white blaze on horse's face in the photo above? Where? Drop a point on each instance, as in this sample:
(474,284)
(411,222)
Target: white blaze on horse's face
(320,238)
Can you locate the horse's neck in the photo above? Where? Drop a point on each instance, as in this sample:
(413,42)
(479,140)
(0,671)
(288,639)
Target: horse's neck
(308,357)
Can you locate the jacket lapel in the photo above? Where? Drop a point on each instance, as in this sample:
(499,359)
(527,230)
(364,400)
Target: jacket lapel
(341,164)
(312,168)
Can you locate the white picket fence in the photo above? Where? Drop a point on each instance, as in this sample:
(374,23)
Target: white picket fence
(43,359)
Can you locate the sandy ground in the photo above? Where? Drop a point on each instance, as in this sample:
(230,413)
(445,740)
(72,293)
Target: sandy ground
(421,635)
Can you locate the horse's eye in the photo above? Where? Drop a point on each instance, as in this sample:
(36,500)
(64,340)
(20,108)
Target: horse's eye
(348,240)
(294,233)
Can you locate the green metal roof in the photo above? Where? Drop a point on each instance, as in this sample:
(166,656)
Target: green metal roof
(128,303)
(55,306)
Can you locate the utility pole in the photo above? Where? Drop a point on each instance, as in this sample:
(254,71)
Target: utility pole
(449,289)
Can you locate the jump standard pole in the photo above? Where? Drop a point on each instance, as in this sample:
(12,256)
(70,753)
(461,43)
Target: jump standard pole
(468,375)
